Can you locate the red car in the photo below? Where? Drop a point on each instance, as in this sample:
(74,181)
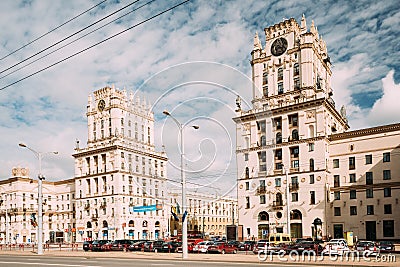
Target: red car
(222,247)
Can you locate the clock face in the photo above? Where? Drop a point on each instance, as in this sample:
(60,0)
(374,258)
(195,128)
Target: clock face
(279,46)
(101,105)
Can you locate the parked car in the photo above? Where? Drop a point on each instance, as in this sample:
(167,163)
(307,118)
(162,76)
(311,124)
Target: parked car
(98,245)
(280,238)
(191,244)
(336,247)
(386,246)
(222,247)
(234,242)
(137,246)
(247,245)
(107,246)
(153,246)
(270,248)
(170,246)
(370,246)
(305,246)
(260,245)
(87,245)
(121,244)
(202,246)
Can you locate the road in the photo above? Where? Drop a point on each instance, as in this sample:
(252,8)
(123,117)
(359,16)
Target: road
(43,261)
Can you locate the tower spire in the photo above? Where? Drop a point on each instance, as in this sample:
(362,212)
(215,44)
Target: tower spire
(257,43)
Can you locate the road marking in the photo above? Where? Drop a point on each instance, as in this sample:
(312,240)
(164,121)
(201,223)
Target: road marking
(47,264)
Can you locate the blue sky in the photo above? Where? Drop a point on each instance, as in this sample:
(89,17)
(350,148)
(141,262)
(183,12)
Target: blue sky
(192,61)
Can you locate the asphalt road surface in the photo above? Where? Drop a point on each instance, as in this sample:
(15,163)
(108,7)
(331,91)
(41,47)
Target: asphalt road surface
(43,261)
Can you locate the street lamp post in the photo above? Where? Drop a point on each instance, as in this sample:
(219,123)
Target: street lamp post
(41,177)
(183,180)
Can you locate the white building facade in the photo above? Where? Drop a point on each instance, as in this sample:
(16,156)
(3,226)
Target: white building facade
(119,171)
(295,156)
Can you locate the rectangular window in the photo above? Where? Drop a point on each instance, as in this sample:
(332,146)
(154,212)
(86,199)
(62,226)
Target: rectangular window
(352,177)
(247,186)
(369,193)
(312,197)
(336,180)
(278,182)
(262,199)
(265,78)
(247,202)
(387,175)
(387,208)
(386,157)
(368,159)
(353,210)
(296,84)
(336,163)
(388,228)
(337,195)
(295,197)
(353,194)
(312,178)
(369,179)
(370,209)
(246,156)
(280,88)
(311,147)
(387,192)
(337,211)
(352,163)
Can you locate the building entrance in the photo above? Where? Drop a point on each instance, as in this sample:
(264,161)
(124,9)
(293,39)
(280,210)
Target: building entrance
(370,230)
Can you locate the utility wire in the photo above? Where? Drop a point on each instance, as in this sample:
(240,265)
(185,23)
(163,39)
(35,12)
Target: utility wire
(94,45)
(77,39)
(69,36)
(43,35)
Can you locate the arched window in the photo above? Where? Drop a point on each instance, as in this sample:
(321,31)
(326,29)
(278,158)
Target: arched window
(247,173)
(105,224)
(144,224)
(157,224)
(295,134)
(311,165)
(263,216)
(88,225)
(278,138)
(131,223)
(295,215)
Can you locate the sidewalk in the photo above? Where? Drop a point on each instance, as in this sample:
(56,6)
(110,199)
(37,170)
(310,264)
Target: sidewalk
(325,261)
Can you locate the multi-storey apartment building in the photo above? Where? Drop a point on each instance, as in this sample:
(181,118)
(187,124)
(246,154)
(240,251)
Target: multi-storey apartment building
(290,144)
(19,209)
(365,184)
(119,177)
(208,215)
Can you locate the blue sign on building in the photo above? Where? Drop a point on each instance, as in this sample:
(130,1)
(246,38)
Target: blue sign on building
(146,208)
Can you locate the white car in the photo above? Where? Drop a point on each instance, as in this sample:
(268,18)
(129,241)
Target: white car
(336,247)
(202,246)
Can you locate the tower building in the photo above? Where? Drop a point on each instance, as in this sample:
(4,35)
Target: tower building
(120,178)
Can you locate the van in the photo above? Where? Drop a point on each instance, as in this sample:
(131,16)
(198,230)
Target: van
(280,238)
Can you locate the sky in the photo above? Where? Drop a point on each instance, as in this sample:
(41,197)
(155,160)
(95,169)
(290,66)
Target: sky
(191,61)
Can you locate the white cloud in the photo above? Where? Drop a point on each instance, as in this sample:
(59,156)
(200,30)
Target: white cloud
(386,110)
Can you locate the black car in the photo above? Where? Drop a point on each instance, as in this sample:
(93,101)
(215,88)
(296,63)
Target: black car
(170,246)
(98,245)
(137,246)
(386,246)
(247,245)
(234,243)
(305,246)
(87,245)
(121,244)
(153,246)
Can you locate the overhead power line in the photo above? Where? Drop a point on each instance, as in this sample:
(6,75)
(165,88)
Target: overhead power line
(96,44)
(75,40)
(69,36)
(56,28)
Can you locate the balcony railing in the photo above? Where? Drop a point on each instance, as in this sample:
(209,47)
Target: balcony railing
(277,205)
(261,190)
(293,187)
(103,205)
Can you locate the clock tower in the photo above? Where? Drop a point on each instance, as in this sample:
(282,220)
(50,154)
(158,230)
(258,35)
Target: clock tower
(282,142)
